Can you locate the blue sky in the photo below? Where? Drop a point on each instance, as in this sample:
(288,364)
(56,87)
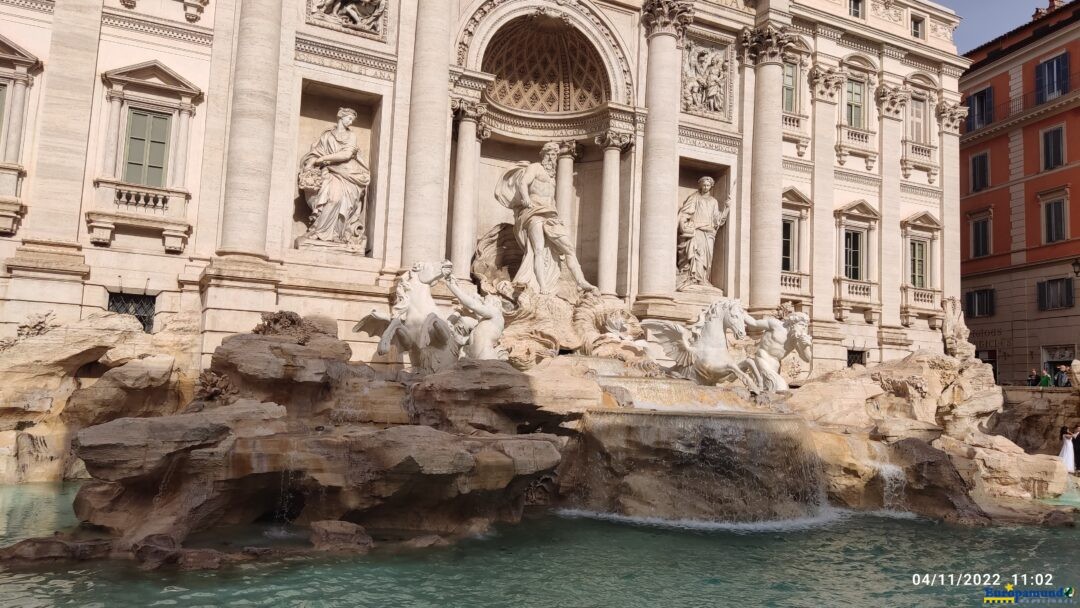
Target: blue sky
(984,20)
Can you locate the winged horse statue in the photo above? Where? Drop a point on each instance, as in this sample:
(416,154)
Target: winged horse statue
(700,351)
(414,325)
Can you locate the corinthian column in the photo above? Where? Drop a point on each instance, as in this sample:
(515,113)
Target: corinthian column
(825,84)
(665,24)
(425,157)
(950,115)
(892,101)
(613,144)
(463,226)
(569,151)
(765,48)
(251,129)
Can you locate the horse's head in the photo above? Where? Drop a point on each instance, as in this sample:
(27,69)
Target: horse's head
(734,316)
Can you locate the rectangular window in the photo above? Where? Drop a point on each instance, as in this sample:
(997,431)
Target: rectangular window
(147,148)
(857,357)
(790,80)
(1054,221)
(979,303)
(854,248)
(139,306)
(787,255)
(980,237)
(1052,78)
(980,109)
(980,172)
(918,123)
(1055,294)
(855,8)
(855,104)
(1053,152)
(918,27)
(918,263)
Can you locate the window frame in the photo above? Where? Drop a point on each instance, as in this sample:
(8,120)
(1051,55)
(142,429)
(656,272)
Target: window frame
(971,172)
(791,242)
(864,237)
(984,110)
(862,105)
(1059,77)
(924,283)
(924,133)
(1043,160)
(1066,295)
(972,307)
(1062,234)
(132,110)
(920,21)
(794,88)
(857,9)
(972,223)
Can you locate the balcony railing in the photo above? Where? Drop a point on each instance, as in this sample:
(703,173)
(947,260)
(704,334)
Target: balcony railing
(795,284)
(857,142)
(920,302)
(796,130)
(918,155)
(1018,105)
(858,296)
(135,198)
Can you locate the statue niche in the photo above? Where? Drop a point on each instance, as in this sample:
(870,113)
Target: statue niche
(700,219)
(334,180)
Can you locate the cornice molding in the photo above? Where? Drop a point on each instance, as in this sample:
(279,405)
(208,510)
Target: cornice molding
(163,28)
(41,6)
(321,52)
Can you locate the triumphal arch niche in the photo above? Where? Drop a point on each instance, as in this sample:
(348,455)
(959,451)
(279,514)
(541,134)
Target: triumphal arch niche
(527,77)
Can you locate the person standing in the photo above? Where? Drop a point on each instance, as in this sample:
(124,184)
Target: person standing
(1045,380)
(1061,378)
(1076,448)
(1068,450)
(1033,378)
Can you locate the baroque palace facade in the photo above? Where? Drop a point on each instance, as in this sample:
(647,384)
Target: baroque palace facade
(217,159)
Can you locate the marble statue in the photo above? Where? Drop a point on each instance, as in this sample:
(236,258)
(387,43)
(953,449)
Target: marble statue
(782,337)
(482,326)
(363,15)
(334,180)
(700,351)
(529,191)
(414,325)
(700,218)
(705,73)
(609,330)
(955,332)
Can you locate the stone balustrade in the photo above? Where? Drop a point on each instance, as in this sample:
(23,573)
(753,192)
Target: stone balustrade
(857,142)
(917,155)
(795,285)
(919,302)
(856,296)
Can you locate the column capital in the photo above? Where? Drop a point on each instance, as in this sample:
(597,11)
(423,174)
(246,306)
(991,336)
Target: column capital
(667,17)
(615,139)
(766,44)
(467,109)
(950,115)
(826,83)
(892,100)
(569,148)
(187,108)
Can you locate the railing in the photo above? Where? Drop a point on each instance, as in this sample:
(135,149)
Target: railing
(795,284)
(1027,101)
(859,139)
(142,196)
(113,194)
(860,292)
(794,122)
(919,152)
(921,298)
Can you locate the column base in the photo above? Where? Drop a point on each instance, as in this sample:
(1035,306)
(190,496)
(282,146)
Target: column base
(679,306)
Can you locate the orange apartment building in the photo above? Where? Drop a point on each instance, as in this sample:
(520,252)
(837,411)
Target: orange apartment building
(1020,194)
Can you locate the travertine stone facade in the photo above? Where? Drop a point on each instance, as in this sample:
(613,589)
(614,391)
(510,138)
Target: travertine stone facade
(152,150)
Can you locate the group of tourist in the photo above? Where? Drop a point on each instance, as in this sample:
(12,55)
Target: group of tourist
(1059,379)
(1070,448)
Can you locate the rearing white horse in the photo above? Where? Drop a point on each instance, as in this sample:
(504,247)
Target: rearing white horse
(700,351)
(414,325)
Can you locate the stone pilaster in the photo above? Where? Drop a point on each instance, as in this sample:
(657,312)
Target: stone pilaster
(665,24)
(613,143)
(178,175)
(429,106)
(765,47)
(16,115)
(463,221)
(825,85)
(250,156)
(569,152)
(891,101)
(950,115)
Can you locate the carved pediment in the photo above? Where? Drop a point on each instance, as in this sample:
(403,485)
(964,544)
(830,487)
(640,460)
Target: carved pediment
(15,56)
(923,220)
(155,77)
(859,209)
(793,197)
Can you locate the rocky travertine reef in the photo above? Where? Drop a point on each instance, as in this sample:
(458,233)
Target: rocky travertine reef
(282,427)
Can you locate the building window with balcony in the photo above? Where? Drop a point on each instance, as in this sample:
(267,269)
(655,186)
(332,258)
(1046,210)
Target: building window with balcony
(979,303)
(1052,78)
(918,126)
(1055,294)
(856,8)
(1053,148)
(980,237)
(980,171)
(919,251)
(855,255)
(980,109)
(1054,221)
(856,104)
(788,245)
(791,91)
(147,148)
(918,27)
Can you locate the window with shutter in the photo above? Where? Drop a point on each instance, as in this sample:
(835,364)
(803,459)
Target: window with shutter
(147,148)
(787,246)
(1054,221)
(979,303)
(1052,78)
(1053,148)
(853,254)
(855,104)
(1055,294)
(918,121)
(981,109)
(918,263)
(980,171)
(790,80)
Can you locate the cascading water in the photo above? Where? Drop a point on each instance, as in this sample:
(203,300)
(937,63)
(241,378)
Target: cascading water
(894,483)
(730,466)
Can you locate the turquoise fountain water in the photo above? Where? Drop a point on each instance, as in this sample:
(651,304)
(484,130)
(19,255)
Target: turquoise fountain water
(576,560)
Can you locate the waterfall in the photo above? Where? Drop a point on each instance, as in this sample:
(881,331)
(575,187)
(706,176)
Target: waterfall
(894,483)
(714,466)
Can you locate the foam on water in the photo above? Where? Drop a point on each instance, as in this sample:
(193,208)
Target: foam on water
(825,517)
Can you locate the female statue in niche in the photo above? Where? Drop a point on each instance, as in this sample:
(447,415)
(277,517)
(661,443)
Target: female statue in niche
(334,180)
(700,218)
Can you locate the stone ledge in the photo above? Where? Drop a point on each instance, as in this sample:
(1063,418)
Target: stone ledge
(48,257)
(102,225)
(11,213)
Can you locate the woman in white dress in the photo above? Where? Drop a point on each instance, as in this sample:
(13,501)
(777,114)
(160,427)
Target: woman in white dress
(1067,450)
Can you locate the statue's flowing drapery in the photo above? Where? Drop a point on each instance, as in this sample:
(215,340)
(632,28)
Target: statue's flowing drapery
(339,207)
(508,193)
(699,218)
